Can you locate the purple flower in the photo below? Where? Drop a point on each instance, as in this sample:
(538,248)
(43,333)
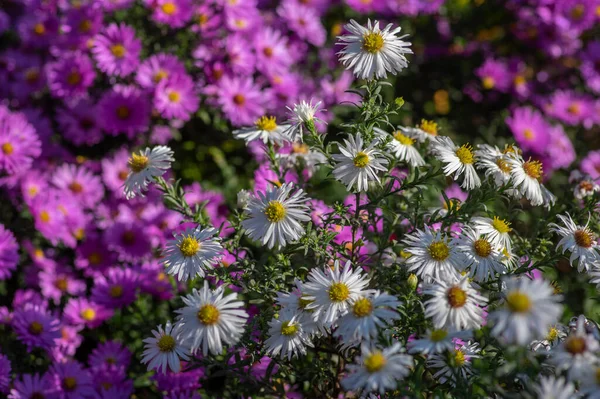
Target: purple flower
(568,107)
(175,13)
(5,370)
(33,386)
(272,55)
(67,344)
(79,123)
(82,312)
(158,68)
(116,289)
(125,109)
(581,14)
(115,171)
(494,75)
(19,143)
(71,380)
(240,58)
(529,129)
(57,281)
(9,253)
(304,22)
(590,165)
(35,327)
(83,23)
(111,376)
(71,75)
(83,184)
(38,29)
(176,98)
(117,50)
(559,153)
(4,22)
(241,100)
(93,256)
(590,66)
(206,20)
(114,5)
(155,281)
(110,353)
(129,240)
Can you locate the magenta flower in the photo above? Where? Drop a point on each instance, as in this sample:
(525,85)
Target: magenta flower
(568,107)
(71,75)
(116,289)
(241,100)
(157,68)
(176,98)
(175,13)
(529,129)
(5,374)
(115,171)
(125,109)
(581,14)
(81,312)
(129,240)
(58,281)
(71,380)
(110,353)
(590,66)
(590,165)
(93,257)
(239,54)
(117,50)
(19,143)
(85,186)
(559,153)
(79,123)
(272,54)
(494,75)
(32,386)
(9,253)
(83,23)
(35,327)
(155,281)
(304,22)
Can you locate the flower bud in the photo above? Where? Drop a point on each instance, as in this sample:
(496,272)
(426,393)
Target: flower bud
(413,281)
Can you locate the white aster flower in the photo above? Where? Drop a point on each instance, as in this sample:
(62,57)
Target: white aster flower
(332,291)
(526,177)
(265,128)
(357,166)
(438,341)
(302,156)
(371,52)
(210,319)
(530,309)
(577,353)
(585,186)
(590,382)
(579,240)
(496,230)
(454,304)
(454,363)
(459,161)
(287,336)
(302,116)
(402,147)
(432,255)
(493,162)
(144,167)
(377,370)
(554,387)
(165,348)
(295,302)
(191,252)
(482,257)
(555,336)
(368,314)
(275,217)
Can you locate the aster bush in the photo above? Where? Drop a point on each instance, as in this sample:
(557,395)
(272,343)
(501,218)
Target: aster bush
(287,199)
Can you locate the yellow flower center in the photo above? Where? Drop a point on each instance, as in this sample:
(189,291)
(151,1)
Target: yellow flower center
(118,50)
(7,148)
(300,148)
(74,78)
(138,162)
(338,292)
(289,329)
(501,225)
(362,307)
(533,169)
(482,247)
(439,250)
(69,383)
(95,258)
(528,133)
(583,238)
(166,343)
(552,334)
(75,187)
(575,345)
(202,19)
(361,160)
(375,362)
(372,42)
(123,112)
(438,335)
(519,80)
(44,216)
(174,96)
(429,127)
(465,154)
(160,75)
(116,291)
(169,8)
(488,82)
(267,123)
(503,165)
(457,297)
(518,302)
(268,51)
(239,99)
(573,109)
(208,314)
(36,328)
(39,29)
(459,358)
(404,140)
(275,211)
(189,246)
(88,314)
(61,283)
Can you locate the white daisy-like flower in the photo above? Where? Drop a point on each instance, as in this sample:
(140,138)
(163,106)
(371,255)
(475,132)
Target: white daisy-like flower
(295,302)
(454,363)
(191,252)
(402,147)
(579,240)
(211,319)
(496,230)
(302,155)
(426,130)
(265,129)
(577,352)
(454,304)
(555,336)
(493,162)
(144,167)
(357,166)
(333,291)
(368,314)
(275,217)
(480,255)
(584,185)
(590,382)
(377,370)
(165,349)
(437,341)
(371,52)
(526,177)
(554,387)
(302,116)
(432,255)
(530,309)
(459,161)
(287,336)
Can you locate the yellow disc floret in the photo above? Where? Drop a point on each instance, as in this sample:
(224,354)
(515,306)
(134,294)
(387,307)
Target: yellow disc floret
(138,162)
(189,246)
(267,123)
(465,154)
(375,362)
(166,343)
(208,314)
(439,250)
(482,247)
(457,297)
(361,160)
(518,302)
(338,292)
(372,42)
(289,329)
(275,211)
(362,307)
